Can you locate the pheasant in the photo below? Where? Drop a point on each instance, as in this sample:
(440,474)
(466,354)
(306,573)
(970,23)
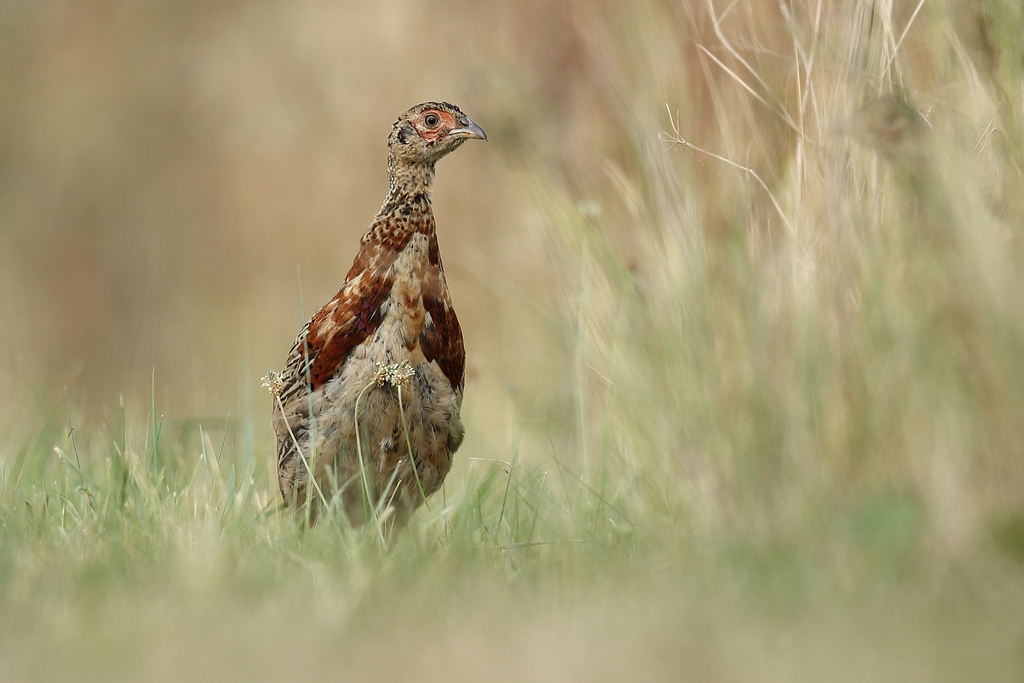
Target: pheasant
(371,394)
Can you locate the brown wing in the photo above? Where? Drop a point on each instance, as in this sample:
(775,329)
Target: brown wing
(442,337)
(320,351)
(345,321)
(326,340)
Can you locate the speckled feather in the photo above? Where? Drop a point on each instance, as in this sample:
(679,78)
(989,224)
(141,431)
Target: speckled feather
(393,307)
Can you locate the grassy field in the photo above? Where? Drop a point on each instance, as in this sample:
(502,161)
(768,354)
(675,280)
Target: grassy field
(746,366)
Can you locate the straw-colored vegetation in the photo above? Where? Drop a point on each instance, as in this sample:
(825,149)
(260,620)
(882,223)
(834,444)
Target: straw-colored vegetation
(743,291)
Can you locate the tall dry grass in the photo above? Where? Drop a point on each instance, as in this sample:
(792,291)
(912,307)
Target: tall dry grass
(780,319)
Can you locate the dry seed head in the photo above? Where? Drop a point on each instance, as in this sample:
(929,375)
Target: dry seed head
(394,374)
(273,382)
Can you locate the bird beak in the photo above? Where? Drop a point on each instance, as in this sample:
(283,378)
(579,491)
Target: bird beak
(468,130)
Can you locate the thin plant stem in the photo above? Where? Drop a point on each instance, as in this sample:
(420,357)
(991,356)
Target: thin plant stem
(359,452)
(408,443)
(302,457)
(74,440)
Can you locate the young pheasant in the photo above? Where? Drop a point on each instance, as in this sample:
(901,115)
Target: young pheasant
(370,397)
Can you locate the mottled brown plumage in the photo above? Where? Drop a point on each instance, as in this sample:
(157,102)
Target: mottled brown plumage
(389,337)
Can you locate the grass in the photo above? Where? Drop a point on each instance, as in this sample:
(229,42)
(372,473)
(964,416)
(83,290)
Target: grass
(161,558)
(785,439)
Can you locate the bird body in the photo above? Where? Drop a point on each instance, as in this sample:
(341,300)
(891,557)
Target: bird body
(370,398)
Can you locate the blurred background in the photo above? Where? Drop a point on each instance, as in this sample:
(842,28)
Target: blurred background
(169,169)
(183,184)
(171,173)
(779,334)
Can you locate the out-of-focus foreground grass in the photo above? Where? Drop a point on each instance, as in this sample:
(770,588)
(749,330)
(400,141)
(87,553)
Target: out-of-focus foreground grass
(745,400)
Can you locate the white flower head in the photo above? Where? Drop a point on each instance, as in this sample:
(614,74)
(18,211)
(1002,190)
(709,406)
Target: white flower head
(273,381)
(394,374)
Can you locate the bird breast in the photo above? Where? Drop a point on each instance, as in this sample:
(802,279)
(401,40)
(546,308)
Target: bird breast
(403,316)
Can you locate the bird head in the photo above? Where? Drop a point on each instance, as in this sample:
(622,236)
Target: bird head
(429,131)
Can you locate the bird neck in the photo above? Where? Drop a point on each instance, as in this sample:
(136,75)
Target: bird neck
(407,207)
(407,179)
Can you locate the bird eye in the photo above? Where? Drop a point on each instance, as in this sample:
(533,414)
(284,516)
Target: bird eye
(431,120)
